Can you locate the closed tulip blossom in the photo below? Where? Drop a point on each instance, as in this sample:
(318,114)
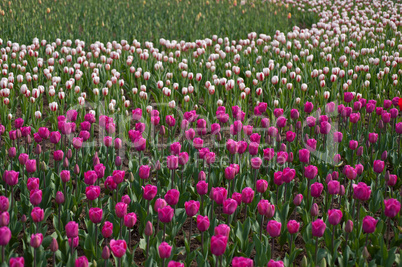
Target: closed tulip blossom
(218,244)
(293,227)
(229,206)
(172,197)
(369,224)
(273,263)
(118,248)
(242,262)
(298,199)
(262,186)
(392,207)
(165,251)
(17,262)
(316,189)
(175,264)
(274,228)
(318,228)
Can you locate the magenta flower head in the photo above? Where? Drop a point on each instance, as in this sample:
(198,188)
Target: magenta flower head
(144,171)
(4,204)
(107,229)
(198,143)
(273,263)
(229,206)
(191,207)
(44,132)
(353,144)
(35,197)
(378,166)
(121,209)
(65,176)
(314,210)
(281,122)
(54,137)
(316,189)
(5,236)
(219,195)
(37,214)
(11,177)
(126,199)
(150,192)
(369,224)
(4,218)
(290,136)
(172,197)
(349,226)
(298,199)
(202,223)
(318,228)
(183,158)
(36,240)
(92,192)
(12,152)
(247,195)
(334,187)
(22,158)
(293,226)
(308,107)
(263,207)
(81,262)
(325,127)
(95,215)
(338,136)
(164,250)
(361,191)
(274,228)
(253,148)
(392,207)
(33,183)
(334,216)
(310,171)
(269,154)
(118,176)
(17,262)
(90,177)
(218,244)
(130,219)
(77,142)
(256,163)
(175,264)
(373,137)
(175,148)
(202,188)
(232,146)
(230,173)
(222,229)
(242,262)
(30,165)
(165,214)
(100,170)
(71,229)
(118,247)
(172,162)
(262,186)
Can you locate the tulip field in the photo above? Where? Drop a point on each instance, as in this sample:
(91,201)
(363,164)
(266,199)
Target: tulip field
(248,133)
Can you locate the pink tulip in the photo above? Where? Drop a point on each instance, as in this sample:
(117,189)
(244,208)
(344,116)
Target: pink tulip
(392,207)
(361,191)
(118,247)
(274,228)
(222,229)
(218,245)
(36,240)
(273,263)
(164,250)
(293,226)
(107,229)
(334,216)
(175,264)
(191,207)
(92,192)
(298,199)
(150,192)
(369,224)
(378,166)
(17,262)
(130,219)
(242,262)
(4,204)
(37,214)
(262,186)
(318,228)
(35,197)
(165,214)
(229,206)
(71,229)
(118,176)
(95,215)
(334,187)
(202,223)
(172,197)
(144,171)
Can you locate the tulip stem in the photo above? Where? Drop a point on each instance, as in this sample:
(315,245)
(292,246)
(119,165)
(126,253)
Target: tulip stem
(367,239)
(146,257)
(333,236)
(291,243)
(163,262)
(121,227)
(202,241)
(316,250)
(120,262)
(2,254)
(357,216)
(245,213)
(12,197)
(273,248)
(261,225)
(202,204)
(255,179)
(164,232)
(376,181)
(388,232)
(59,217)
(189,234)
(34,256)
(54,259)
(96,238)
(308,192)
(172,179)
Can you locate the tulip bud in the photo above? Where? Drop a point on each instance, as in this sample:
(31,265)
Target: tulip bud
(69,154)
(384,155)
(202,176)
(157,165)
(323,263)
(304,262)
(387,176)
(59,197)
(105,253)
(131,177)
(148,229)
(342,191)
(43,166)
(117,161)
(162,130)
(76,169)
(314,210)
(54,246)
(359,152)
(65,163)
(366,254)
(38,149)
(23,218)
(349,226)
